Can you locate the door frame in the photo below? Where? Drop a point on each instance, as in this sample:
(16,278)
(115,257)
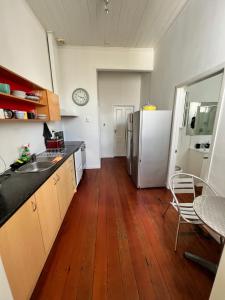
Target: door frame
(178,114)
(114,123)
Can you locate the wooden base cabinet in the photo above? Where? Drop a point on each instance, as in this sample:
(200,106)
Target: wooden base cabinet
(66,185)
(48,211)
(72,187)
(22,250)
(27,237)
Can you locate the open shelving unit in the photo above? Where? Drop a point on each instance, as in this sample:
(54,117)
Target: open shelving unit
(21,120)
(6,97)
(48,103)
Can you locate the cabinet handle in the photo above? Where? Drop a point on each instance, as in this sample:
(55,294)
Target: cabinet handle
(34,205)
(54,180)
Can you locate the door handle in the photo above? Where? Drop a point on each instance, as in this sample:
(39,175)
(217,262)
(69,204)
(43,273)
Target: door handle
(115,131)
(34,205)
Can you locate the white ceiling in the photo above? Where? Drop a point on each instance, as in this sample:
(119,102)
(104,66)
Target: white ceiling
(130,23)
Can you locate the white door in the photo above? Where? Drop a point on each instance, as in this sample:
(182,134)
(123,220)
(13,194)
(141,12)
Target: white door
(120,125)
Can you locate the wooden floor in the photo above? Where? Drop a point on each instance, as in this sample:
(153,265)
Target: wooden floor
(114,244)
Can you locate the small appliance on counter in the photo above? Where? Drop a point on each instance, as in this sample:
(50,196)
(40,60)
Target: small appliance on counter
(54,143)
(54,140)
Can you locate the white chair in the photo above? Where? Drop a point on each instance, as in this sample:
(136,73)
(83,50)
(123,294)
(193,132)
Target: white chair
(183,183)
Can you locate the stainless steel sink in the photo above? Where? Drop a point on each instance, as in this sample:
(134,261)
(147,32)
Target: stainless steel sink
(37,166)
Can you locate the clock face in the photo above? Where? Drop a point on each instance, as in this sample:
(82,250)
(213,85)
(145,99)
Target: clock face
(80,97)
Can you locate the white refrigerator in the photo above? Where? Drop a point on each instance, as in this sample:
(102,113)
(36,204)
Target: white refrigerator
(150,144)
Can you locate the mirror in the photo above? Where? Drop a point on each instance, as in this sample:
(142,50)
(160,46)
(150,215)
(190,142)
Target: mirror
(201,100)
(201,118)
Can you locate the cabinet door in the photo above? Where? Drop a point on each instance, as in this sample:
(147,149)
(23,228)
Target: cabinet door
(66,186)
(53,106)
(22,250)
(62,190)
(48,211)
(71,181)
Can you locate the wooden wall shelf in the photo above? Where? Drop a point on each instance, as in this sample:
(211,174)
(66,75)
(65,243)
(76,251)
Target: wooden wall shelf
(5,97)
(48,104)
(22,120)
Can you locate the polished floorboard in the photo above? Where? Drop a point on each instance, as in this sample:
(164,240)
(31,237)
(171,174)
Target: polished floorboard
(114,244)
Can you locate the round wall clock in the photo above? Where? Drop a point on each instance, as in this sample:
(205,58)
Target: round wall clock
(80,97)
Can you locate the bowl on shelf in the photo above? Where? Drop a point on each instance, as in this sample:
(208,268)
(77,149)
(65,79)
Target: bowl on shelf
(20,94)
(33,98)
(4,88)
(42,116)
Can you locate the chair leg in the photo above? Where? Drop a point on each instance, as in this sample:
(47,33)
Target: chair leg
(177,234)
(165,211)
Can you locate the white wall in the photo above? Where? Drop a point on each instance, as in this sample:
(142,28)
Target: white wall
(193,45)
(54,62)
(207,90)
(24,51)
(79,67)
(183,149)
(145,89)
(115,88)
(188,48)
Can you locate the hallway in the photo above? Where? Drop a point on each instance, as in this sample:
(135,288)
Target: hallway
(114,244)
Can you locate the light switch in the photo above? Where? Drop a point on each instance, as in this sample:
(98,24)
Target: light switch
(88,119)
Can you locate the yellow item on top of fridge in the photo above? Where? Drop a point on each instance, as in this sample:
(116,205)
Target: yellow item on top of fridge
(149,107)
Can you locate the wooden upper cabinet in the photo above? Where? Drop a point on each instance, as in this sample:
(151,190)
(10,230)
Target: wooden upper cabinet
(48,211)
(53,106)
(22,250)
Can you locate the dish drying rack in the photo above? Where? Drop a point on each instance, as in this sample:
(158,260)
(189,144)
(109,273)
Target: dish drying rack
(52,152)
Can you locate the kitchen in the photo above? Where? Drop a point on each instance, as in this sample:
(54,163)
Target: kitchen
(73,234)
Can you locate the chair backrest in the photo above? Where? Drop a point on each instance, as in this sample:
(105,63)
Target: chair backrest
(183,183)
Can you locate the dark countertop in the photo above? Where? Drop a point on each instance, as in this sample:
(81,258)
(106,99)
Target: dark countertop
(17,188)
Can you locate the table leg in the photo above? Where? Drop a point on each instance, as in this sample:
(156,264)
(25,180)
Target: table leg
(210,266)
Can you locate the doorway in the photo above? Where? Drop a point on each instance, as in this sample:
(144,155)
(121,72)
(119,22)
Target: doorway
(120,114)
(195,121)
(116,90)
